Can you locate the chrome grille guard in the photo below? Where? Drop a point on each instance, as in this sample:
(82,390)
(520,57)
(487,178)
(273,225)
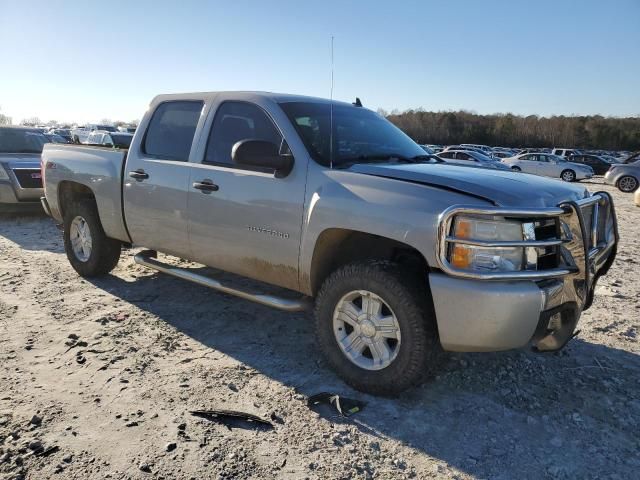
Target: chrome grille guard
(585,251)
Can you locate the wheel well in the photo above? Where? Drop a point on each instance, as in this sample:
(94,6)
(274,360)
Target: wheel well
(71,191)
(336,247)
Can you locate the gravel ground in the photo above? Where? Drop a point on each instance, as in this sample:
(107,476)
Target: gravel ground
(97,379)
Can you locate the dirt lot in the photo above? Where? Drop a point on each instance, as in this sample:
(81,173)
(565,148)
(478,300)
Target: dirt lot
(97,380)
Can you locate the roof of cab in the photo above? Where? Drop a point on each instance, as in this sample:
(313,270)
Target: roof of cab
(246,95)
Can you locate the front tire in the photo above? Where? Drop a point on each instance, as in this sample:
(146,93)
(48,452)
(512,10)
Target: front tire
(568,175)
(375,326)
(89,250)
(516,169)
(627,184)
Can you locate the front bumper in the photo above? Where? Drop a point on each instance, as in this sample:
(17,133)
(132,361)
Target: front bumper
(542,308)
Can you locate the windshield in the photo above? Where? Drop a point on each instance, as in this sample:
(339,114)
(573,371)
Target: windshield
(106,128)
(21,141)
(359,135)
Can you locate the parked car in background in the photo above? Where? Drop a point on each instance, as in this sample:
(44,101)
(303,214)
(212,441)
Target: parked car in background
(548,165)
(501,154)
(483,148)
(634,157)
(62,132)
(625,176)
(81,134)
(20,176)
(434,148)
(467,149)
(54,138)
(565,152)
(127,129)
(471,158)
(427,149)
(599,164)
(110,139)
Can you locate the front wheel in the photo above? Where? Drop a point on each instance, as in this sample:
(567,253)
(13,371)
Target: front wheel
(516,169)
(568,175)
(376,328)
(89,250)
(627,184)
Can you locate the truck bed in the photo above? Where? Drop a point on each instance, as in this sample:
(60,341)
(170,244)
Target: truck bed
(98,168)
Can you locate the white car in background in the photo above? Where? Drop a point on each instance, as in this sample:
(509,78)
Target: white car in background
(548,165)
(110,139)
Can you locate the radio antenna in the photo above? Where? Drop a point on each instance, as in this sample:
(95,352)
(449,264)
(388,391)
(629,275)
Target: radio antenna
(331,111)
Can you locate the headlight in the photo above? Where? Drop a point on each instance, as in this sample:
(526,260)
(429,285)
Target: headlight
(3,173)
(486,259)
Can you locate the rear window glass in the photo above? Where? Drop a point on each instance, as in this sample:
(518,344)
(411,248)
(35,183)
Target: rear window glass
(21,141)
(171,130)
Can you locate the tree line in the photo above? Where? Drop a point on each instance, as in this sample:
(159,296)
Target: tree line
(446,128)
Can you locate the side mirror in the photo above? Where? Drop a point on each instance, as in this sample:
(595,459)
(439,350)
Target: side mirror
(263,154)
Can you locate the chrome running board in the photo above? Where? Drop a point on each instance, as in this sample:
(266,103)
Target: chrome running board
(148,259)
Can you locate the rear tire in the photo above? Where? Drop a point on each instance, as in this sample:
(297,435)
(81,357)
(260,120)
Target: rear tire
(627,184)
(568,175)
(89,250)
(394,345)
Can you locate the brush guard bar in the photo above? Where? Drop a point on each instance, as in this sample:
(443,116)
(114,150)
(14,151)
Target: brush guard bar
(585,244)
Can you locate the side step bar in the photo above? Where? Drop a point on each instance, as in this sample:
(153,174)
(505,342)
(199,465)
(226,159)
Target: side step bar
(148,259)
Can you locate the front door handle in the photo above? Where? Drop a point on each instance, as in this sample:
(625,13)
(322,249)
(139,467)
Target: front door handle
(139,174)
(206,186)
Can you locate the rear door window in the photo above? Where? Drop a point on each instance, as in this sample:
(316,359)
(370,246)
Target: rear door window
(171,130)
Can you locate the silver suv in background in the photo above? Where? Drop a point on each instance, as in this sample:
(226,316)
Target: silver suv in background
(624,176)
(548,165)
(20,176)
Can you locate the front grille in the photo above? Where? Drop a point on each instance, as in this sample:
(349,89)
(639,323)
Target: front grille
(29,177)
(548,257)
(553,245)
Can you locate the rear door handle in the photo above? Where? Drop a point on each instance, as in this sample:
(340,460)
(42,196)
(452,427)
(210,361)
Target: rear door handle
(139,174)
(206,186)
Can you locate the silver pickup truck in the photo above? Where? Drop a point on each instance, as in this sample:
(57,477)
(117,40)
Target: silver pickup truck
(403,257)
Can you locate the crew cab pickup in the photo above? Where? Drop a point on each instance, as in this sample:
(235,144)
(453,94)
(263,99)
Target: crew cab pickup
(402,257)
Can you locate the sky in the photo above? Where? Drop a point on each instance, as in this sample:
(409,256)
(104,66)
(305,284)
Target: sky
(83,62)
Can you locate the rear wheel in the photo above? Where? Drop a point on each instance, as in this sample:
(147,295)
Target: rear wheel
(627,184)
(568,175)
(375,326)
(516,169)
(88,249)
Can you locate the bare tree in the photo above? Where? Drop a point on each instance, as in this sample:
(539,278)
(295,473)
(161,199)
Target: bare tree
(4,119)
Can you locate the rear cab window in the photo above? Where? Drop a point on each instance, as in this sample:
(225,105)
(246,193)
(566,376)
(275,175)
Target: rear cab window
(170,133)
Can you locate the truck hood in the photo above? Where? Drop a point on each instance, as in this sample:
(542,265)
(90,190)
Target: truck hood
(502,188)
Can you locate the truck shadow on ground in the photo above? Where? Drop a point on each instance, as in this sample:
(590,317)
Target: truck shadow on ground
(502,415)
